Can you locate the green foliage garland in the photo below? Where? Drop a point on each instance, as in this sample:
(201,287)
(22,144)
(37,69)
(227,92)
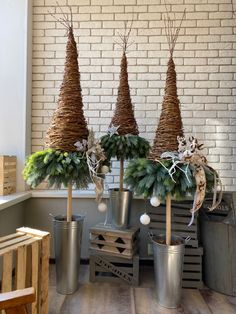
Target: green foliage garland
(124,146)
(58,168)
(146,177)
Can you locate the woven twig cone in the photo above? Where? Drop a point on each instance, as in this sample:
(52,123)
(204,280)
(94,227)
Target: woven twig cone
(68,124)
(170,123)
(124,113)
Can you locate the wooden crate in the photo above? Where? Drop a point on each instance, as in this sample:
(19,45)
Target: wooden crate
(120,243)
(29,250)
(7,175)
(181,216)
(108,268)
(192,270)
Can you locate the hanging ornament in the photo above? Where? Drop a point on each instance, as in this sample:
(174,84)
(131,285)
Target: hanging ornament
(154,201)
(145,219)
(102,207)
(105,169)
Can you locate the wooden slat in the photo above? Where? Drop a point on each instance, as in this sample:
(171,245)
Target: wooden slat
(33,232)
(174,226)
(35,273)
(115,244)
(44,274)
(128,270)
(16,246)
(16,298)
(7,272)
(193,284)
(9,237)
(193,267)
(21,268)
(193,259)
(101,229)
(192,275)
(125,254)
(14,241)
(194,251)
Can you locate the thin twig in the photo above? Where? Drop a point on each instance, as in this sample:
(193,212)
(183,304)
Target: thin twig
(171,30)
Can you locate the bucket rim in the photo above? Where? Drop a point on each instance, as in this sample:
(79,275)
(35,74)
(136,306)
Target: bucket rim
(62,218)
(154,240)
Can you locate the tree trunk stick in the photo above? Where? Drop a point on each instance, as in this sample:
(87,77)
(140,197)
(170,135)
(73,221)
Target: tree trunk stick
(69,203)
(168,219)
(121,174)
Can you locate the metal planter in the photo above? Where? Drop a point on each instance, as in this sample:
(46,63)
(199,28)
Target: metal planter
(168,264)
(120,207)
(218,239)
(67,243)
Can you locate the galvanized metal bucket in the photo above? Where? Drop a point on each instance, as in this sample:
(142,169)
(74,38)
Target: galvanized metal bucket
(67,244)
(120,207)
(168,265)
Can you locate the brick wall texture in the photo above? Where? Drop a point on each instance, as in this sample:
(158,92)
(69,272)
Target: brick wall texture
(205,58)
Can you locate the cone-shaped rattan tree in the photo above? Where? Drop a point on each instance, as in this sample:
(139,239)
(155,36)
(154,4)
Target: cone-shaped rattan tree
(124,113)
(170,123)
(64,161)
(166,173)
(68,124)
(123,140)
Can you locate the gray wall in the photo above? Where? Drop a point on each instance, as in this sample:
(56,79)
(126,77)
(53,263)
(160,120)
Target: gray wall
(11,218)
(38,210)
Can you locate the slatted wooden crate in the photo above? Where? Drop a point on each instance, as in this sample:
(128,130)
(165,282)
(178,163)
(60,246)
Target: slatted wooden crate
(192,270)
(120,243)
(107,268)
(26,251)
(181,216)
(7,175)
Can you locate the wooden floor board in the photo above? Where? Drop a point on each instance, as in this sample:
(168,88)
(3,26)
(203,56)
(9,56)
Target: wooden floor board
(111,298)
(218,303)
(100,298)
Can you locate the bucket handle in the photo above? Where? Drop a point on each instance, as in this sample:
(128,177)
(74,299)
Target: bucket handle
(187,239)
(150,235)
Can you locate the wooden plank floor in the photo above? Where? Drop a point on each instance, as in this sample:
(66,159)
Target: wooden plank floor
(110,298)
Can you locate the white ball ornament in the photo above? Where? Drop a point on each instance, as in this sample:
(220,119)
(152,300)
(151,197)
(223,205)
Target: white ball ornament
(102,207)
(105,169)
(145,219)
(155,201)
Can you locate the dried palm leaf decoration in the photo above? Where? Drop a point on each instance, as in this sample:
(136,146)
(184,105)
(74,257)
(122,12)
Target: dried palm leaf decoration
(124,113)
(68,124)
(170,123)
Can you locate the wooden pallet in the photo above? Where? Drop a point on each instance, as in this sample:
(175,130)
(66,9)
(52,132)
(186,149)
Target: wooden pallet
(120,243)
(7,175)
(179,222)
(30,249)
(107,268)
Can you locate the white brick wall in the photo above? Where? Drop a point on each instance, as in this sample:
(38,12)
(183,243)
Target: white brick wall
(205,60)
